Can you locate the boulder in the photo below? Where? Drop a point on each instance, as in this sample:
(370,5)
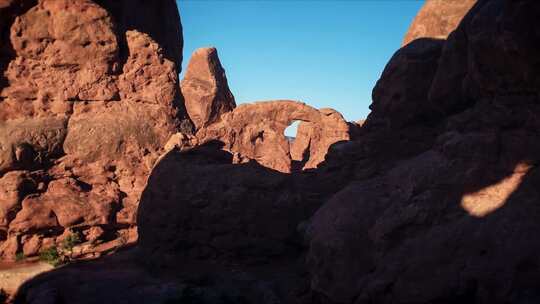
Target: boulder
(200,204)
(435,200)
(400,96)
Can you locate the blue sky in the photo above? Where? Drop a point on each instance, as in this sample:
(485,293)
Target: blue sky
(324,53)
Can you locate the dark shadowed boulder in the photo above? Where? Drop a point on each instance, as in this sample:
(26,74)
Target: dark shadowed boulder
(400,97)
(454,222)
(200,204)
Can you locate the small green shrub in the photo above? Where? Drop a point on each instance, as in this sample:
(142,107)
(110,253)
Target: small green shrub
(51,256)
(71,241)
(19,257)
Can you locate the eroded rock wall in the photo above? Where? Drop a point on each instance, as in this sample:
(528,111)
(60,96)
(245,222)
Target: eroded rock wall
(89,95)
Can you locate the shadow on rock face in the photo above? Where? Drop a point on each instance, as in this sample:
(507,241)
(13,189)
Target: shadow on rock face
(210,231)
(435,228)
(452,215)
(199,204)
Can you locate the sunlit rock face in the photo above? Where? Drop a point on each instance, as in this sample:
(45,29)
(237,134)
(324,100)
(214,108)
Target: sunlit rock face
(205,89)
(314,140)
(256,132)
(437,19)
(89,95)
(487,200)
(445,196)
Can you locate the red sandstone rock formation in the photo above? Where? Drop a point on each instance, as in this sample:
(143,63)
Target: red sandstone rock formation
(205,89)
(256,132)
(400,97)
(88,107)
(437,19)
(450,216)
(314,139)
(88,99)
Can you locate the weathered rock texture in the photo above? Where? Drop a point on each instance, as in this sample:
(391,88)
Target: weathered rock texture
(312,141)
(256,132)
(89,95)
(437,19)
(443,206)
(205,89)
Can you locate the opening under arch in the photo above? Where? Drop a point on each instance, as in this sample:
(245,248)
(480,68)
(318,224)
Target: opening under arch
(299,139)
(291,131)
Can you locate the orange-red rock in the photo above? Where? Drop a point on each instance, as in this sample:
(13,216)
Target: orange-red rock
(256,132)
(205,89)
(437,19)
(89,96)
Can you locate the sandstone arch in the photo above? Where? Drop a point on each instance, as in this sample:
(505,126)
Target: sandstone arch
(255,131)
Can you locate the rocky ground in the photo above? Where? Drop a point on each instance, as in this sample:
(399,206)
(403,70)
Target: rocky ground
(432,199)
(13,275)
